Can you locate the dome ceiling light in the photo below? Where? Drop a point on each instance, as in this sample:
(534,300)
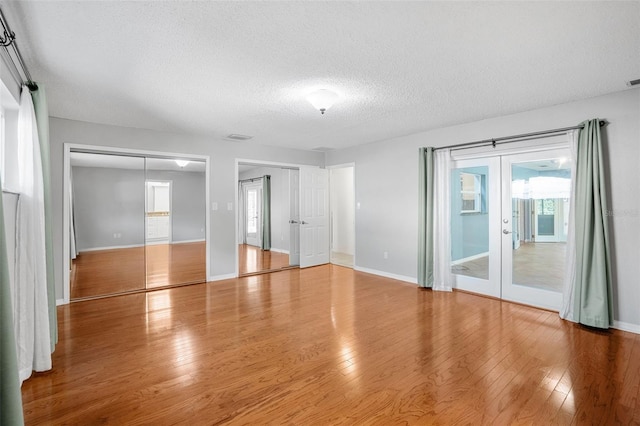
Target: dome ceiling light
(322,99)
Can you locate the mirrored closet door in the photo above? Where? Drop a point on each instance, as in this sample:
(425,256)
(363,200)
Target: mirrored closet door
(136,223)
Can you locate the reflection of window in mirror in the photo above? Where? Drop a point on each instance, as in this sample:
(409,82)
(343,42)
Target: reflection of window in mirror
(471,192)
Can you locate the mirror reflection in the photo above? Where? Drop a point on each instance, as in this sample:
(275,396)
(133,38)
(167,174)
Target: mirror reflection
(268,218)
(136,223)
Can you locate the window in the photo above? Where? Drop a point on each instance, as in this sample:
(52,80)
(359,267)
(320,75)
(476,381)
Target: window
(471,192)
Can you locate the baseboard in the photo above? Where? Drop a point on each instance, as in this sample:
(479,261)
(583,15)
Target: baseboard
(222,277)
(110,248)
(60,302)
(387,275)
(201,240)
(470,258)
(280,250)
(625,326)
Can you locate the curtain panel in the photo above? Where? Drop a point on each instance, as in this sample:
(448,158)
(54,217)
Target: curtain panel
(589,282)
(266,212)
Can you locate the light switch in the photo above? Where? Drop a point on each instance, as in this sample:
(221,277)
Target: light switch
(230,206)
(358,205)
(214,206)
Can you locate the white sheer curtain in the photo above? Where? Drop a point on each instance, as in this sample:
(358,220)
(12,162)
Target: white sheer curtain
(566,311)
(30,307)
(441,225)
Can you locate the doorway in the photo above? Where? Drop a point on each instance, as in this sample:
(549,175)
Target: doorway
(509,217)
(342,205)
(298,217)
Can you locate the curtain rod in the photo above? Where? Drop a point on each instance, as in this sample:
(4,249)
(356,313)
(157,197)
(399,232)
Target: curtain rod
(8,38)
(252,179)
(515,138)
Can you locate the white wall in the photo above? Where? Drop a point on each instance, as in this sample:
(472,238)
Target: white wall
(342,210)
(222,183)
(387,187)
(279,204)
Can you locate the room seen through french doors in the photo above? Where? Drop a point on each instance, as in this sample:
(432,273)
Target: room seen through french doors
(509,218)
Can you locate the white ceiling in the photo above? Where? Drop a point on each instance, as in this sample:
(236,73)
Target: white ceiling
(215,68)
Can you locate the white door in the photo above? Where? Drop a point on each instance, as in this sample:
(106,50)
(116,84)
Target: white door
(314,216)
(475,208)
(533,270)
(492,202)
(253,214)
(294,218)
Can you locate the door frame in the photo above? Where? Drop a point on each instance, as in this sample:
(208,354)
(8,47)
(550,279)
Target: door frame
(169,239)
(355,234)
(519,148)
(98,149)
(258,187)
(258,163)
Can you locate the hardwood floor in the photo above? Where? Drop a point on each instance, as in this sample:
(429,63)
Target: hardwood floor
(329,345)
(254,260)
(538,265)
(105,272)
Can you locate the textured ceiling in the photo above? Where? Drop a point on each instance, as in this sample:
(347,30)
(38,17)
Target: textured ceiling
(215,68)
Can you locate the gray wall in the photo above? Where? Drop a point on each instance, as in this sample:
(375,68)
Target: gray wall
(108,202)
(111,201)
(387,188)
(222,182)
(188,220)
(279,203)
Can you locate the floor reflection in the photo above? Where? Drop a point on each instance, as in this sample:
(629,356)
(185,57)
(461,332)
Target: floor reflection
(253,260)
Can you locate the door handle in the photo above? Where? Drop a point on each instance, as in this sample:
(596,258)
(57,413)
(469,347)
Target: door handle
(293,221)
(304,223)
(504,231)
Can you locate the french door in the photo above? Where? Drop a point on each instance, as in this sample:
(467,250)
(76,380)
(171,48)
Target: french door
(509,217)
(253,214)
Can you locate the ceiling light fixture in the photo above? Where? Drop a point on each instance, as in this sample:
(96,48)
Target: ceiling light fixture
(322,99)
(182,163)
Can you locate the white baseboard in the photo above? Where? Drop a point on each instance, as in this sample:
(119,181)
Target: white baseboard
(387,275)
(156,242)
(200,240)
(625,326)
(221,277)
(470,258)
(110,248)
(61,302)
(279,250)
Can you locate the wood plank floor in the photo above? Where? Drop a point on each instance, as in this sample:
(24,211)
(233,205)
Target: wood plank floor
(329,345)
(105,272)
(253,260)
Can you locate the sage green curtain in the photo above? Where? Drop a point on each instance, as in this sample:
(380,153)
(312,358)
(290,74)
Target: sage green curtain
(425,218)
(10,396)
(266,212)
(42,119)
(593,302)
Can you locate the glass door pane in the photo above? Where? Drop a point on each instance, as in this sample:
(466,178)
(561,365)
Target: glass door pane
(474,199)
(175,247)
(535,211)
(107,224)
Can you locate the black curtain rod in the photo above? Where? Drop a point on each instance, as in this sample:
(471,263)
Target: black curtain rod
(510,139)
(252,179)
(8,39)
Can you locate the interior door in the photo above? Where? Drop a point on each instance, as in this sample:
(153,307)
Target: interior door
(294,218)
(314,216)
(253,214)
(475,207)
(533,269)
